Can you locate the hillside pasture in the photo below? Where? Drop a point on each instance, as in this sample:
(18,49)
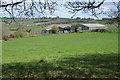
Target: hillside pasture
(73,55)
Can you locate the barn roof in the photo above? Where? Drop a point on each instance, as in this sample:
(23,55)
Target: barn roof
(49,29)
(94,25)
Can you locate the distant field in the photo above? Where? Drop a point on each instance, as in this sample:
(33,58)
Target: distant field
(112,22)
(34,24)
(73,55)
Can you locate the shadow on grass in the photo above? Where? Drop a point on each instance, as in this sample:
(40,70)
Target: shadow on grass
(70,67)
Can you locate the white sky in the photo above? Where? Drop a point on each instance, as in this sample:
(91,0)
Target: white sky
(63,0)
(105,7)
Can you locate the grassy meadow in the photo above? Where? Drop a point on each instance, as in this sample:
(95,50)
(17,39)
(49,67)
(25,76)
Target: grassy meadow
(78,55)
(73,55)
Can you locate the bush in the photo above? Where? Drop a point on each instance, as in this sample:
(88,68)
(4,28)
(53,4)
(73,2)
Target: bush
(5,37)
(55,29)
(12,36)
(114,29)
(19,34)
(8,35)
(75,27)
(5,33)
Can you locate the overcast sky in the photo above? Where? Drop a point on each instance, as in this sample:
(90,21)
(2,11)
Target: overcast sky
(63,0)
(61,11)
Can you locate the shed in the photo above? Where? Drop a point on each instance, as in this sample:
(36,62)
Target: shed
(64,29)
(68,28)
(47,31)
(60,30)
(92,26)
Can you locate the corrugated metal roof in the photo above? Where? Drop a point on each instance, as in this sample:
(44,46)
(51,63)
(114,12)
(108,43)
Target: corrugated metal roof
(94,25)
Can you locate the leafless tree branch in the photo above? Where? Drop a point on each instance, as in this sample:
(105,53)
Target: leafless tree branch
(32,7)
(77,6)
(16,3)
(26,8)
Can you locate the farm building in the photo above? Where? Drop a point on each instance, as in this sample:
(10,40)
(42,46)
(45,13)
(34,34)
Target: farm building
(64,29)
(91,26)
(60,30)
(74,28)
(47,31)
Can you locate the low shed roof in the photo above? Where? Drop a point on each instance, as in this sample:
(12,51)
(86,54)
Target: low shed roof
(94,25)
(49,29)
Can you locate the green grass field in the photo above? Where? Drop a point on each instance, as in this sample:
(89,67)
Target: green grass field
(112,22)
(73,55)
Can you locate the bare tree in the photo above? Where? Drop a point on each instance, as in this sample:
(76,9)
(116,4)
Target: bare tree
(115,12)
(27,7)
(86,6)
(30,7)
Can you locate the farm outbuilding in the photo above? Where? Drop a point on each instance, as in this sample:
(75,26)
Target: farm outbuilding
(47,31)
(92,26)
(64,29)
(60,30)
